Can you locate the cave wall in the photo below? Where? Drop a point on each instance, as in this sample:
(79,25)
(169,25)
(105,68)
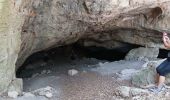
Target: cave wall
(10,34)
(104,23)
(29,26)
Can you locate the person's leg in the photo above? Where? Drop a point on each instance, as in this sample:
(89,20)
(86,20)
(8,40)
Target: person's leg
(161,80)
(157,78)
(160,86)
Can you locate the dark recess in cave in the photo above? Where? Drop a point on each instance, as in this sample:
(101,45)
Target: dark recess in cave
(76,51)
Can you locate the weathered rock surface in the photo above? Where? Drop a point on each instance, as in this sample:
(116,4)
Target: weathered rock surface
(106,23)
(28,26)
(137,53)
(126,74)
(147,76)
(72,72)
(11,23)
(125,91)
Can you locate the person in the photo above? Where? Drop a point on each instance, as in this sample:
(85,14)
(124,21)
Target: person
(163,69)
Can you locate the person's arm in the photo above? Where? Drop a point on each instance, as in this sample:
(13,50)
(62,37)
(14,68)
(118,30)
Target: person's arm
(166,40)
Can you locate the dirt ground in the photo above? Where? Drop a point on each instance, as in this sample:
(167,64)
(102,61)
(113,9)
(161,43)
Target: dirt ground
(94,80)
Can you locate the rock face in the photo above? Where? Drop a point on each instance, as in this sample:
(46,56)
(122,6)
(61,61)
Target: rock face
(125,91)
(149,53)
(28,26)
(105,23)
(10,41)
(147,76)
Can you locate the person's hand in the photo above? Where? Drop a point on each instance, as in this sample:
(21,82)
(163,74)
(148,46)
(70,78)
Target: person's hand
(165,37)
(166,40)
(164,34)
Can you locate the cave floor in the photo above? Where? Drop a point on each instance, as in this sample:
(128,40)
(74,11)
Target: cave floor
(95,80)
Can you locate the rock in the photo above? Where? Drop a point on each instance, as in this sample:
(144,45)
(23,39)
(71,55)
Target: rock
(72,72)
(126,92)
(48,88)
(47,92)
(139,98)
(10,42)
(35,75)
(127,74)
(28,94)
(101,64)
(142,53)
(147,75)
(48,95)
(16,85)
(116,98)
(13,94)
(123,91)
(44,72)
(138,91)
(167,94)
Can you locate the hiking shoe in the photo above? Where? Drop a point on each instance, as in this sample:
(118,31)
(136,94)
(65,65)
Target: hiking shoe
(152,88)
(158,89)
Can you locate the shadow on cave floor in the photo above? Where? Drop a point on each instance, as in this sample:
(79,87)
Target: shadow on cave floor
(96,71)
(69,55)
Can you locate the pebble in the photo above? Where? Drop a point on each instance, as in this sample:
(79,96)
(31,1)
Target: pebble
(167,94)
(28,94)
(72,72)
(48,94)
(123,91)
(101,64)
(13,94)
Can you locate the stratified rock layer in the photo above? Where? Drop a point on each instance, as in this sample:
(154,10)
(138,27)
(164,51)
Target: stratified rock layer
(104,23)
(10,41)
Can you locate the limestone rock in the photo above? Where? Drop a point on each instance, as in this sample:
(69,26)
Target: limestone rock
(126,92)
(123,91)
(10,41)
(142,52)
(13,94)
(72,72)
(16,85)
(127,74)
(138,91)
(28,94)
(92,22)
(48,95)
(147,75)
(47,92)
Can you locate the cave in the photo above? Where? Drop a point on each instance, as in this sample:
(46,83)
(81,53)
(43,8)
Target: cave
(70,53)
(43,36)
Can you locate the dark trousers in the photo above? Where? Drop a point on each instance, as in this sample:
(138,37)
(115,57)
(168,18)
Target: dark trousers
(164,68)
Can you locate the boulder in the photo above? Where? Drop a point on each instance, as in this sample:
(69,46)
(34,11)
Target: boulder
(126,74)
(137,53)
(126,92)
(147,75)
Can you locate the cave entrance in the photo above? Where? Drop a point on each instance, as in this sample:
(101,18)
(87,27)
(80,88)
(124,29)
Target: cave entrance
(59,56)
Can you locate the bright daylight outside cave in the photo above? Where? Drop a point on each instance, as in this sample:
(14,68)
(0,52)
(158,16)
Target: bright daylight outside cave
(82,49)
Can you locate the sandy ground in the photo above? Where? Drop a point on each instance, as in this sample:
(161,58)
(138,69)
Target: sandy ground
(95,80)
